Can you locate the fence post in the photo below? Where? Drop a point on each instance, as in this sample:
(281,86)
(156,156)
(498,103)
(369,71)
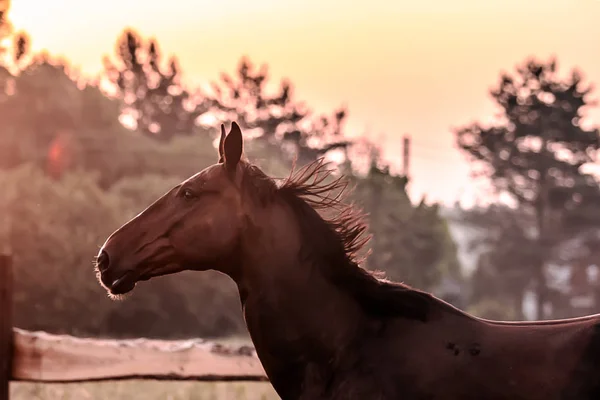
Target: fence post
(6,324)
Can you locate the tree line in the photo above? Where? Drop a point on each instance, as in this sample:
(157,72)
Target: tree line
(77,160)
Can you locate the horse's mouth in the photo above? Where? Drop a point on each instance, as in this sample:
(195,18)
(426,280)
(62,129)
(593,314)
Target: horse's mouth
(128,280)
(124,284)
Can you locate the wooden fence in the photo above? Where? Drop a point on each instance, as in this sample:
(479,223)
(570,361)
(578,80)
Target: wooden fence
(42,357)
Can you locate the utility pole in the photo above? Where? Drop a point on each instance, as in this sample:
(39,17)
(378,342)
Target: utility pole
(405,155)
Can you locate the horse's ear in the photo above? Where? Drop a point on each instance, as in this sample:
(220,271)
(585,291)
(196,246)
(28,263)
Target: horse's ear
(221,144)
(233,147)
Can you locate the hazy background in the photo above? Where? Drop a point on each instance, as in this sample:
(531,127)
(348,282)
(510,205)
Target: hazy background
(415,67)
(106,105)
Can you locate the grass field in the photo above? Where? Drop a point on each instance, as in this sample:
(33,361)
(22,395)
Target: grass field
(148,390)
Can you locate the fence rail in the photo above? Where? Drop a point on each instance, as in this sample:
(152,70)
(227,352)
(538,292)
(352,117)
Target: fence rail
(43,357)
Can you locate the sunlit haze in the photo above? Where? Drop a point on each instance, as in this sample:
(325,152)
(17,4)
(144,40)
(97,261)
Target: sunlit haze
(401,67)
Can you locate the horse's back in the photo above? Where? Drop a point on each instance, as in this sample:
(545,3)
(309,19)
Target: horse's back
(457,357)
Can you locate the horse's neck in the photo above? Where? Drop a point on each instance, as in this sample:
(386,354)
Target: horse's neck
(302,329)
(297,319)
(302,306)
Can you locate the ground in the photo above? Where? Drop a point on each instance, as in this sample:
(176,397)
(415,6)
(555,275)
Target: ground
(144,390)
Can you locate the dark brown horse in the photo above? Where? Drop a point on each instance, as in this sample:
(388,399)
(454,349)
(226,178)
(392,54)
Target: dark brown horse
(323,327)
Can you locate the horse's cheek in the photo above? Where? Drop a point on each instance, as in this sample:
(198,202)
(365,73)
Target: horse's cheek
(193,241)
(228,231)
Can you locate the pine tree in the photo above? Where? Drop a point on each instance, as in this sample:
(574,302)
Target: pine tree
(277,118)
(153,95)
(536,154)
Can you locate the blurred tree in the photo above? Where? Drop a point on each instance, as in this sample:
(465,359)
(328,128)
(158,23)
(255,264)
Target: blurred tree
(493,309)
(13,48)
(56,124)
(536,155)
(13,45)
(60,124)
(43,103)
(277,118)
(506,241)
(411,243)
(54,241)
(153,96)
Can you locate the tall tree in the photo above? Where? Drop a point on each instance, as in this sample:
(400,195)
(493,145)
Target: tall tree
(152,94)
(536,155)
(277,117)
(13,49)
(508,252)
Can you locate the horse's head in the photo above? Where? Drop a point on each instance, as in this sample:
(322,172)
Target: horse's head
(196,225)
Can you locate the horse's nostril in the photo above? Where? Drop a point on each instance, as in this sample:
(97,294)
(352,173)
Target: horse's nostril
(102,261)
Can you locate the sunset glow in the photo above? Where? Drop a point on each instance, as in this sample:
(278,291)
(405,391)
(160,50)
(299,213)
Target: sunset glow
(404,67)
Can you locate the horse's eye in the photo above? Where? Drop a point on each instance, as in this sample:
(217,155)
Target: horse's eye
(188,194)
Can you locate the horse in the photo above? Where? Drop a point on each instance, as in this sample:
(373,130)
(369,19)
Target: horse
(323,326)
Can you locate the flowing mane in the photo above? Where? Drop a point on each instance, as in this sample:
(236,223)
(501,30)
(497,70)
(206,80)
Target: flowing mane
(308,188)
(333,242)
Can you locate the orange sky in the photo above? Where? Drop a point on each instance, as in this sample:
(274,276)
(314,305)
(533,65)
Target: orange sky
(417,67)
